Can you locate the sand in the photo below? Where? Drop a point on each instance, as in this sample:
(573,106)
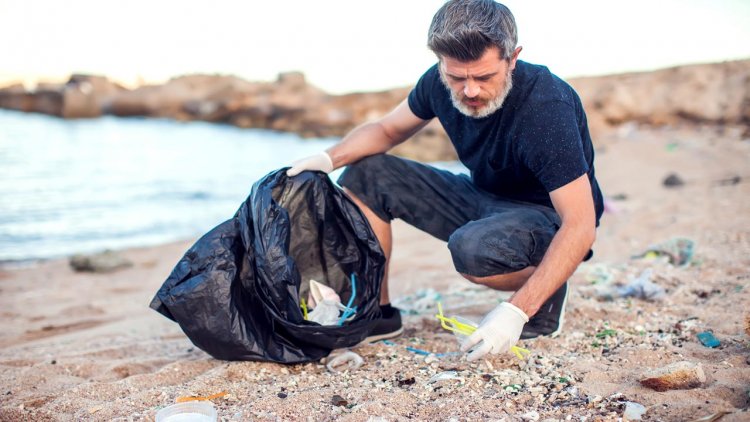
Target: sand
(78,346)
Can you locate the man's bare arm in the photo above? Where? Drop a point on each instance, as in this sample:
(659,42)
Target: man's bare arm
(376,137)
(575,205)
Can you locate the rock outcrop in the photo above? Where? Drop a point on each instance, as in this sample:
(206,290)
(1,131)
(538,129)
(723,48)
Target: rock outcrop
(716,93)
(699,94)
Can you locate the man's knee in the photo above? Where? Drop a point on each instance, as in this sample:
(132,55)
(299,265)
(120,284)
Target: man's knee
(479,250)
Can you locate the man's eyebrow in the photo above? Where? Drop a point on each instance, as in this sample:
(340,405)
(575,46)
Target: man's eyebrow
(482,76)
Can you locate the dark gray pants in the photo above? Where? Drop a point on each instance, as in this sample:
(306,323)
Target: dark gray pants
(486,234)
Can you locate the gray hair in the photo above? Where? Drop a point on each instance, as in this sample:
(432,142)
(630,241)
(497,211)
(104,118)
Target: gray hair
(464,29)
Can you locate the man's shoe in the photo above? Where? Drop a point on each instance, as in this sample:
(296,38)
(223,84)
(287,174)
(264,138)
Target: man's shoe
(388,326)
(549,320)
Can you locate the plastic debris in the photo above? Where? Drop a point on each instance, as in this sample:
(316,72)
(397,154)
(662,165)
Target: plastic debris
(707,339)
(446,375)
(422,301)
(184,399)
(530,416)
(633,411)
(350,359)
(640,287)
(320,292)
(428,353)
(464,327)
(679,251)
(599,274)
(325,313)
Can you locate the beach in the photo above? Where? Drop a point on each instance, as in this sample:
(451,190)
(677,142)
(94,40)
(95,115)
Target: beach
(83,346)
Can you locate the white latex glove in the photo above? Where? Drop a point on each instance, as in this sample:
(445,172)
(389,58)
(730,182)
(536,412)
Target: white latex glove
(497,333)
(320,161)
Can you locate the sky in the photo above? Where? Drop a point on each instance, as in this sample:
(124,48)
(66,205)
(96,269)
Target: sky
(347,46)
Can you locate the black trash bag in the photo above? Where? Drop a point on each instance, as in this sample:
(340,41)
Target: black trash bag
(236,292)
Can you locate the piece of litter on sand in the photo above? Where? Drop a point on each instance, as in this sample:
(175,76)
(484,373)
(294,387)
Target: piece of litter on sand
(428,353)
(598,274)
(420,302)
(679,251)
(344,361)
(200,398)
(707,339)
(530,416)
(633,411)
(446,375)
(640,287)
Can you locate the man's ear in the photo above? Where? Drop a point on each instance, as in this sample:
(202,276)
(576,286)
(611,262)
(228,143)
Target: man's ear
(514,57)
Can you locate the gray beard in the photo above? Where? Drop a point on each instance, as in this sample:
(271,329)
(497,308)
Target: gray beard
(494,105)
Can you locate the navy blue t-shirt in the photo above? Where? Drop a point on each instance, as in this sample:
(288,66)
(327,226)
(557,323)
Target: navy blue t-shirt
(537,142)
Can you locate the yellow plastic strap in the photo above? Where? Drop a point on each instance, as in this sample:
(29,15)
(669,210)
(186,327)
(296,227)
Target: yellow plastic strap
(304,307)
(193,398)
(466,329)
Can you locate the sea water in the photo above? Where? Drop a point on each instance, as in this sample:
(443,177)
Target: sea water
(82,186)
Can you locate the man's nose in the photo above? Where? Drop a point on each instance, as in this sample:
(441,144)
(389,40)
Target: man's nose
(471,89)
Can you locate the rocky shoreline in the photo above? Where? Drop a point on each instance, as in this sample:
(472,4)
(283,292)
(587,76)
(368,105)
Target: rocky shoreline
(705,94)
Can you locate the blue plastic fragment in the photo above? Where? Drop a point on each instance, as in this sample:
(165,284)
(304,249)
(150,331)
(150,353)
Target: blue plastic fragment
(426,353)
(707,339)
(349,310)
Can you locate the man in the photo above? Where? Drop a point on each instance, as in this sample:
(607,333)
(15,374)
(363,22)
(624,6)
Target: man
(527,215)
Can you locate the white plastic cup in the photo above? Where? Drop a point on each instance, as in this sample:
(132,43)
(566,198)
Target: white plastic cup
(191,411)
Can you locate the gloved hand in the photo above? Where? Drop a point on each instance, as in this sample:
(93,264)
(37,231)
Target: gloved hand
(320,161)
(497,333)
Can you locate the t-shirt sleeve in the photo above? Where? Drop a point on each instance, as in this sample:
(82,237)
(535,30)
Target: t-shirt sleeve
(551,145)
(420,97)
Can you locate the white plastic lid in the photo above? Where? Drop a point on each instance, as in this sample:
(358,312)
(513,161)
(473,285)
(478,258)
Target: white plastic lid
(191,411)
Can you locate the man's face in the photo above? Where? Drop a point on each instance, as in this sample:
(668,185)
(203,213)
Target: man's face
(479,88)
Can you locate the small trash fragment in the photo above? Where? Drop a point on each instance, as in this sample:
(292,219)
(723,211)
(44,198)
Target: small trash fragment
(673,181)
(640,287)
(428,353)
(633,411)
(446,375)
(678,250)
(421,302)
(350,359)
(282,395)
(325,313)
(707,339)
(599,274)
(320,292)
(530,416)
(184,399)
(337,400)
